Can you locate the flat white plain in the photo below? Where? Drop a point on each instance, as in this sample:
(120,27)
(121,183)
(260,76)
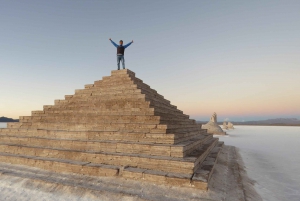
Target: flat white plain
(271,157)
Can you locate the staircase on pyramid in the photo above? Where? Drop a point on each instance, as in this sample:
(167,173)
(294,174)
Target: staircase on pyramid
(118,127)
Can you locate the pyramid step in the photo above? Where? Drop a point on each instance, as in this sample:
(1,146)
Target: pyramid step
(98,87)
(74,119)
(92,169)
(133,96)
(96,97)
(185,165)
(203,174)
(141,127)
(122,109)
(114,81)
(106,92)
(178,122)
(197,180)
(38,113)
(187,129)
(94,135)
(182,137)
(148,90)
(122,72)
(88,86)
(96,110)
(155,97)
(109,79)
(163,120)
(202,152)
(117,97)
(94,119)
(159,177)
(105,119)
(157,104)
(170,115)
(132,88)
(87,112)
(104,135)
(68,97)
(61,165)
(85,94)
(123,104)
(53,123)
(177,150)
(94,101)
(185,148)
(142,161)
(117,88)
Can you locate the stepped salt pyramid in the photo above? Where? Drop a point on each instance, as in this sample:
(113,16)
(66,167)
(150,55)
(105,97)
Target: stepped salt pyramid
(117,126)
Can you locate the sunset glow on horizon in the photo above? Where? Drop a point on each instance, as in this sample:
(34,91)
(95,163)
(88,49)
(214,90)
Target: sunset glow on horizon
(238,59)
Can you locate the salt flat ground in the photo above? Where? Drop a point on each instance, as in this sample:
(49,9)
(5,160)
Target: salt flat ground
(2,125)
(229,182)
(272,158)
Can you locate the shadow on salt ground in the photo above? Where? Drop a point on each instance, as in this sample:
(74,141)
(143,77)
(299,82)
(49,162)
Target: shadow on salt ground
(228,182)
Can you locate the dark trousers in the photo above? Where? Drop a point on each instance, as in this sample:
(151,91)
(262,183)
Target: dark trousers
(120,58)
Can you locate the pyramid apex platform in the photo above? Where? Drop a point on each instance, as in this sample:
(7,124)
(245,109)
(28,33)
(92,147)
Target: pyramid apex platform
(122,71)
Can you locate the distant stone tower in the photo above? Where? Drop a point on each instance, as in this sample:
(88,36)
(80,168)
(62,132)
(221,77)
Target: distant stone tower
(212,126)
(213,118)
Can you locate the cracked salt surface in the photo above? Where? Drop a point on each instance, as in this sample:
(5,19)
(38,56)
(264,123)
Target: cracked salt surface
(271,156)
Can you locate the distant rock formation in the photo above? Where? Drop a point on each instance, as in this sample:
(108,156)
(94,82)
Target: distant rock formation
(228,125)
(5,119)
(212,126)
(225,125)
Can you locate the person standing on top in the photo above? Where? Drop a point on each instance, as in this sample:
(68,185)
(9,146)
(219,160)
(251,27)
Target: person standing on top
(120,52)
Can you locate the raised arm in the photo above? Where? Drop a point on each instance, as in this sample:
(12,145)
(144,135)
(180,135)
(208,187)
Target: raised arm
(113,43)
(125,46)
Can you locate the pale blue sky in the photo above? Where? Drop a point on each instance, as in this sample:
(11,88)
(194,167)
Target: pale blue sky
(237,58)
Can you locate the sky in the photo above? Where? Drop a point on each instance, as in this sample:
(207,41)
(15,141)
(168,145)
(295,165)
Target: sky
(239,59)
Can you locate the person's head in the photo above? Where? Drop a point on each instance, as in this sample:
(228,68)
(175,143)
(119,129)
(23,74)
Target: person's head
(121,42)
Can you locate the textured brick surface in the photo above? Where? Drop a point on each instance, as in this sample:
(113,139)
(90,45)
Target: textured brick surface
(115,126)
